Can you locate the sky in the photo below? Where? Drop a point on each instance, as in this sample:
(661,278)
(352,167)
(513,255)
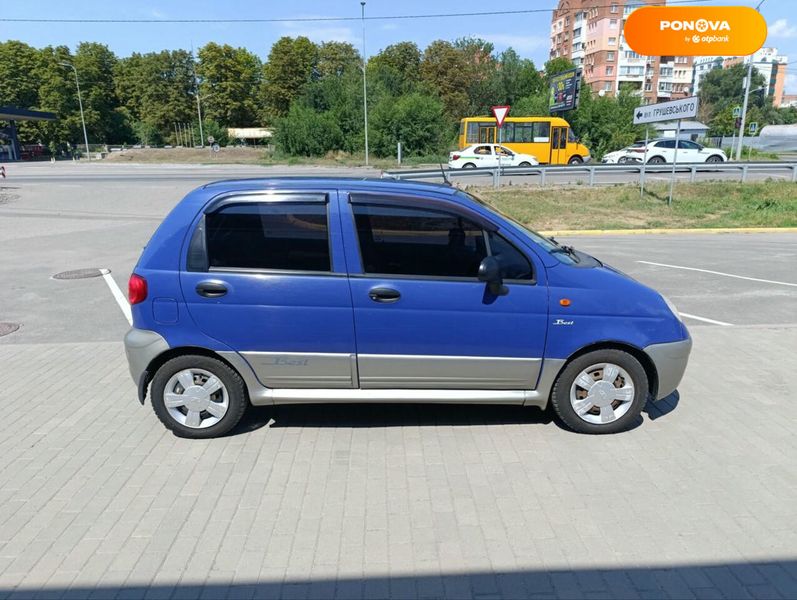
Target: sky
(527,34)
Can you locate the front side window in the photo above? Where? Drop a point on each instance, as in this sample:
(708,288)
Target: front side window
(261,235)
(396,240)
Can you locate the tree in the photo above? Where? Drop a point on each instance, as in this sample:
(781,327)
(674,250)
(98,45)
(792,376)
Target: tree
(305,132)
(396,69)
(723,87)
(158,89)
(291,65)
(444,70)
(18,84)
(416,120)
(229,79)
(336,59)
(606,123)
(516,78)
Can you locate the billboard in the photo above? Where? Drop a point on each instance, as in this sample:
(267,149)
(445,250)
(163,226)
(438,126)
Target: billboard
(564,91)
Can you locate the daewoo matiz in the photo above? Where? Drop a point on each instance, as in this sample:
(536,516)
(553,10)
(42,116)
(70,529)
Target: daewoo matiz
(284,291)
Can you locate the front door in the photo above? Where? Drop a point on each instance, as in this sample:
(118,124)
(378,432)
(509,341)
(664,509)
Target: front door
(422,318)
(269,281)
(558,145)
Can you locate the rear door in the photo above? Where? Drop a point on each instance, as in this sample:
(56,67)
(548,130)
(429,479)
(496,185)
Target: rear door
(422,318)
(265,275)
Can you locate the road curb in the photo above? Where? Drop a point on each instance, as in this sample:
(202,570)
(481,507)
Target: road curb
(577,232)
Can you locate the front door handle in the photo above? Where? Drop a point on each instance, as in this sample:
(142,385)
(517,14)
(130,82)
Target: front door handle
(211,289)
(384,295)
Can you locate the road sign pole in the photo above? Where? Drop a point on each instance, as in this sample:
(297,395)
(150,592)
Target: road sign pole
(675,160)
(644,165)
(500,140)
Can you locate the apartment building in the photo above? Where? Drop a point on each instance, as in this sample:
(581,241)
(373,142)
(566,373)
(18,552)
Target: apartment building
(591,35)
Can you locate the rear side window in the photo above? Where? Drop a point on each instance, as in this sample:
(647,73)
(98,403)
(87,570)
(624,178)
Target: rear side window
(279,235)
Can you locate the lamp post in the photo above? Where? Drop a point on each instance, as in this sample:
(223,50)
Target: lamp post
(80,103)
(365,86)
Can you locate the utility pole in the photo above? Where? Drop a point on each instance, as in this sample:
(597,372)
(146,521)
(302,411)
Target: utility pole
(80,103)
(365,86)
(747,83)
(198,103)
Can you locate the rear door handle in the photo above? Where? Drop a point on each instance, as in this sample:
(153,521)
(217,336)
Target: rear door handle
(384,295)
(211,289)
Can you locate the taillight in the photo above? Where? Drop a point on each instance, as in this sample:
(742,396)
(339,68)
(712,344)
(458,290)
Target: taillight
(136,289)
(455,157)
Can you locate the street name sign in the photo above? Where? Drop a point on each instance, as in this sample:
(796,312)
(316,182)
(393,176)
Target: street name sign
(685,108)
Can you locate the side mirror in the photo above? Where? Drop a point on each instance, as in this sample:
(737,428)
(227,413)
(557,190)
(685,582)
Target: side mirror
(490,273)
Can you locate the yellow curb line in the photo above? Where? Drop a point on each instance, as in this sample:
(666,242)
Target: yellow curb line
(575,232)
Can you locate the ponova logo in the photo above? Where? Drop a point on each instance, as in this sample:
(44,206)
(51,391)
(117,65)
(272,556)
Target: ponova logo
(695,30)
(701,25)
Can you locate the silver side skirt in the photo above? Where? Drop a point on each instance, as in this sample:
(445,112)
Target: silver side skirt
(321,396)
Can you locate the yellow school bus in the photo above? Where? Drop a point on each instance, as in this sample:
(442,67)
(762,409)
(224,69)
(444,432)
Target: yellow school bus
(549,139)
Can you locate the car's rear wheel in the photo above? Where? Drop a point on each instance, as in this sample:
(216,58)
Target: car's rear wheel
(656,160)
(714,158)
(603,391)
(575,160)
(198,396)
(468,166)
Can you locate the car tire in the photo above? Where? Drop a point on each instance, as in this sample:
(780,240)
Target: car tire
(575,160)
(584,396)
(656,160)
(468,166)
(202,414)
(714,158)
(525,164)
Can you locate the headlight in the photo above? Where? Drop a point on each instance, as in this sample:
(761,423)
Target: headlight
(672,307)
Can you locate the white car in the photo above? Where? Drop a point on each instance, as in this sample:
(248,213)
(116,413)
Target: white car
(621,156)
(487,155)
(663,151)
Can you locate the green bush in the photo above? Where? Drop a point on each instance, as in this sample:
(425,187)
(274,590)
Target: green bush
(416,120)
(304,132)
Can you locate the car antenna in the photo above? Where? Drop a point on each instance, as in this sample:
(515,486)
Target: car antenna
(445,176)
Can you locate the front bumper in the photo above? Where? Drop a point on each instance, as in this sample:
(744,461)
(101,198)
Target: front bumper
(670,361)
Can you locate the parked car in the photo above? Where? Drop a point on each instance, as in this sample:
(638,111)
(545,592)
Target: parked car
(278,291)
(487,155)
(621,156)
(663,151)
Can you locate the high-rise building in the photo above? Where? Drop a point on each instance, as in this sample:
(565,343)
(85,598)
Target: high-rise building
(591,35)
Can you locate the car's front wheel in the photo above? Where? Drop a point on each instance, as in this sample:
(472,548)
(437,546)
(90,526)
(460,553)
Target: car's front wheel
(603,391)
(525,163)
(714,158)
(198,396)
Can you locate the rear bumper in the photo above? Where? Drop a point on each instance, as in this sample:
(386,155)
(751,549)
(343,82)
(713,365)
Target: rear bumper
(141,348)
(670,361)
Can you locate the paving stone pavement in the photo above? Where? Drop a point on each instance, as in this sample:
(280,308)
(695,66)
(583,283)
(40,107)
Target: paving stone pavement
(98,500)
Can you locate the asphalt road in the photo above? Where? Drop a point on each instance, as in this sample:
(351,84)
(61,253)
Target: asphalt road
(384,501)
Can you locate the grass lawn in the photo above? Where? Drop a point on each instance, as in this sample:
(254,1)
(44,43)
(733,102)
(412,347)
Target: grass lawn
(698,205)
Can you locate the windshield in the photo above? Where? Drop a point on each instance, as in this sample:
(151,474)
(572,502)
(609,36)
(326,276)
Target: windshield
(547,244)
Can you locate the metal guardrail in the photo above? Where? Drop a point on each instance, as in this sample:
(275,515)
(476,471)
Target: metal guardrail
(590,171)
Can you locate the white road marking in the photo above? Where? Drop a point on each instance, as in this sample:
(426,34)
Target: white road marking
(646,262)
(118,295)
(705,320)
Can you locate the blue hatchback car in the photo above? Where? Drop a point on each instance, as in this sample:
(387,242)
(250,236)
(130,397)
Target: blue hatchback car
(310,290)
